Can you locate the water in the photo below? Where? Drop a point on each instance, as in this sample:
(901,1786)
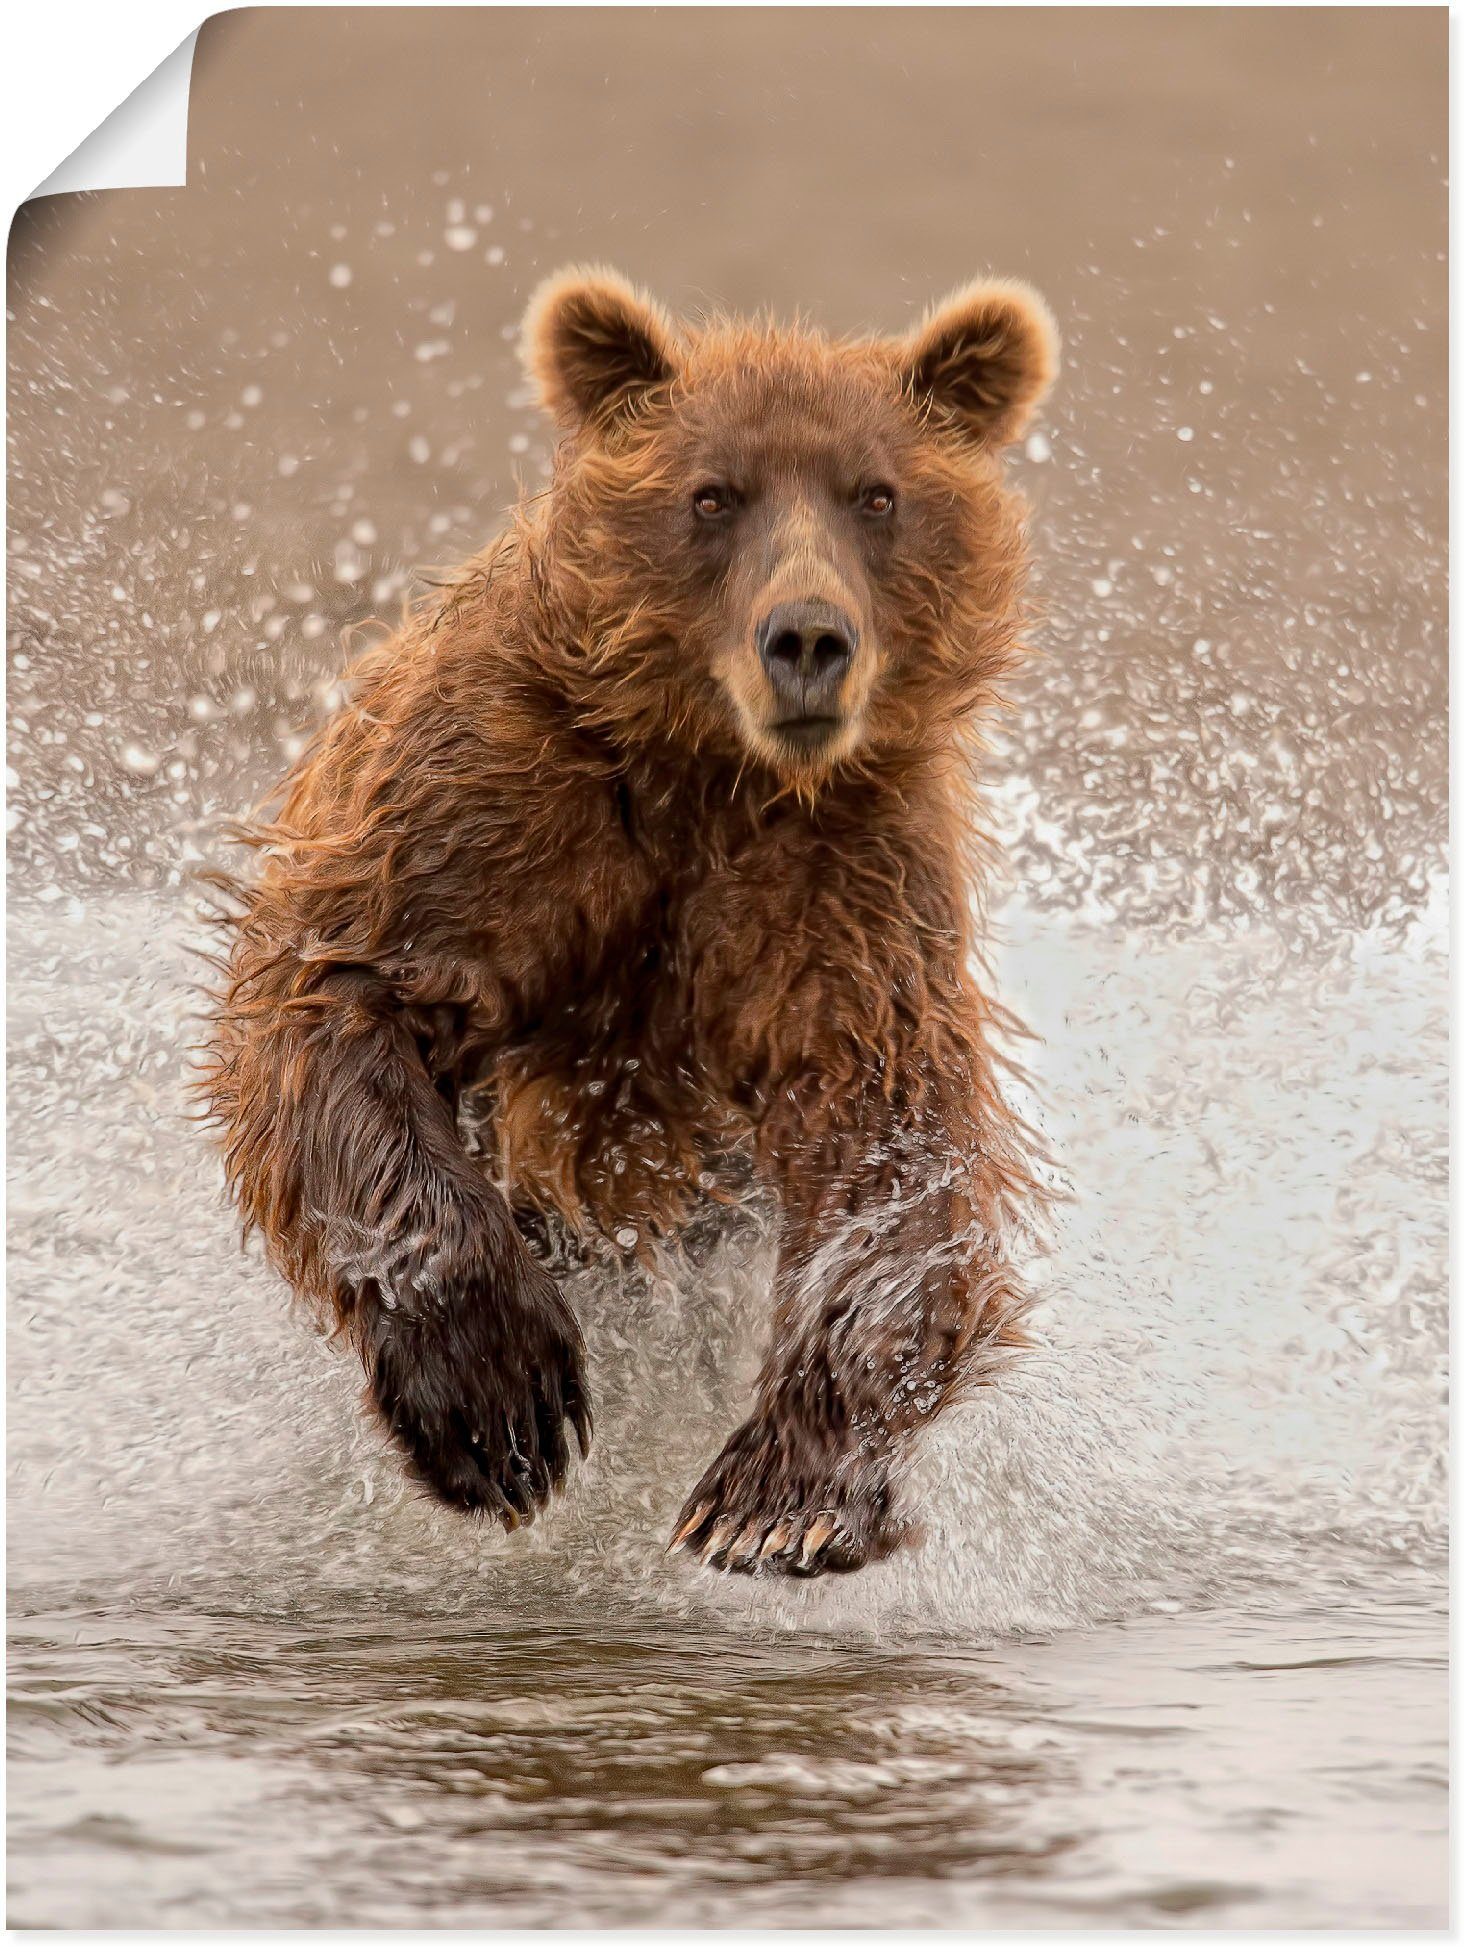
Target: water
(1173,1650)
(215,1771)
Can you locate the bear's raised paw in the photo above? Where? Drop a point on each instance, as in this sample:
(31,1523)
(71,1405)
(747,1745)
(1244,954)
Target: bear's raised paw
(480,1397)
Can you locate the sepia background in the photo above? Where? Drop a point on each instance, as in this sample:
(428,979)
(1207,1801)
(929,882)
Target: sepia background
(1174,1649)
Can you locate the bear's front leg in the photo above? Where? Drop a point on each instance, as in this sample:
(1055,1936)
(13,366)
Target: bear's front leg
(891,1298)
(345,1154)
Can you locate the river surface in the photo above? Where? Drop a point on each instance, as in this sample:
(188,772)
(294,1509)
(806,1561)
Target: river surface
(1173,1650)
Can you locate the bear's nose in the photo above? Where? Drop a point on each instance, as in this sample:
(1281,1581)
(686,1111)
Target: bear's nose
(806,648)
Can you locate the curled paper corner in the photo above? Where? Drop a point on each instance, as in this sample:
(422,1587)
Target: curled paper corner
(142,144)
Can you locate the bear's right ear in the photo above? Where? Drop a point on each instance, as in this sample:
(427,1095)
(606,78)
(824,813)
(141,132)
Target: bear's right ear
(593,346)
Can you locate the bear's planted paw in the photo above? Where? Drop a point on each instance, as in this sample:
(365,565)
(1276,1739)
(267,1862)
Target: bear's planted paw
(481,1399)
(757,1511)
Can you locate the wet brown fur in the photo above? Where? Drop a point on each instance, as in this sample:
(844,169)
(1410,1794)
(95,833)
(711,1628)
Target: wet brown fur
(554,854)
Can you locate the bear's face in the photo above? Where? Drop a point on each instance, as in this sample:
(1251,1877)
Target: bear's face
(792,547)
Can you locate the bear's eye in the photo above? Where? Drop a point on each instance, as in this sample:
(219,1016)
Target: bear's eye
(712,501)
(878,500)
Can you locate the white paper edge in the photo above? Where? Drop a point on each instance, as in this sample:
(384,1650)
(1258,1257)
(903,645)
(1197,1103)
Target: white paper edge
(143,144)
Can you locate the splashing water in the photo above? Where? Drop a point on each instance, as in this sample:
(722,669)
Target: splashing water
(1235,1428)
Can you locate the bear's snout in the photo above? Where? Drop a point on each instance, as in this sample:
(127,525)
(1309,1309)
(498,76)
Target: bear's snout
(806,650)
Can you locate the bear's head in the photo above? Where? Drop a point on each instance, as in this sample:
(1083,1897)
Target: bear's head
(766,542)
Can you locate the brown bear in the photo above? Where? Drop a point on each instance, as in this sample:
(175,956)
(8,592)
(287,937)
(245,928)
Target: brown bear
(655,830)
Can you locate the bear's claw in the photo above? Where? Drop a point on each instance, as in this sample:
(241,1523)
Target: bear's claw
(687,1525)
(802,1545)
(749,1514)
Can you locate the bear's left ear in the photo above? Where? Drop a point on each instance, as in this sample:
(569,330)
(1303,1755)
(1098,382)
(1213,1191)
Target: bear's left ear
(985,355)
(593,346)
